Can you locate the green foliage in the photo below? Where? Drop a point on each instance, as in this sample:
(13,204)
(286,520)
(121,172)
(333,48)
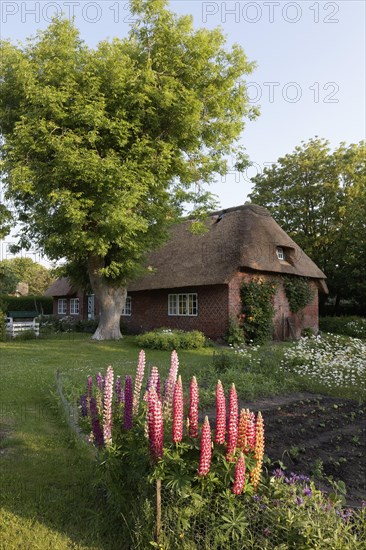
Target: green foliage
(257,309)
(56,324)
(41,304)
(166,339)
(298,292)
(319,198)
(103,145)
(24,270)
(234,334)
(347,326)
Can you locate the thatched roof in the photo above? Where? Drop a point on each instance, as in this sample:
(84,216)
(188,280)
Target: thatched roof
(61,287)
(237,238)
(243,237)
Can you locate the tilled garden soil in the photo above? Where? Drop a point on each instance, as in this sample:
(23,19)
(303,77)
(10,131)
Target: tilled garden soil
(319,436)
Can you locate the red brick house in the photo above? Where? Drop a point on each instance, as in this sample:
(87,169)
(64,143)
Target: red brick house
(193,281)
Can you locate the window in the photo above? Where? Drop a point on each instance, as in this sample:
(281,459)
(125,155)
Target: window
(127,310)
(182,304)
(62,306)
(74,306)
(280,253)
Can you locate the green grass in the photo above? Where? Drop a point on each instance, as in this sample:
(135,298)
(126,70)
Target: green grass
(49,495)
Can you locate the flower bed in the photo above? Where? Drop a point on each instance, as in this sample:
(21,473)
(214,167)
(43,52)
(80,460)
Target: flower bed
(213,492)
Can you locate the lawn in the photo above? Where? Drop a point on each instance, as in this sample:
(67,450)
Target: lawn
(49,495)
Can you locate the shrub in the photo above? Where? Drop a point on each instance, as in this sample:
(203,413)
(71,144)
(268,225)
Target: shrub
(257,309)
(298,292)
(55,324)
(41,304)
(166,339)
(2,326)
(234,334)
(346,326)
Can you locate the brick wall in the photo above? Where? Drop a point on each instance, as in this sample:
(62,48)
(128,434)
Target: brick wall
(150,310)
(83,309)
(308,317)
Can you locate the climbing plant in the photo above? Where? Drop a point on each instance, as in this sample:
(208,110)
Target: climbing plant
(258,310)
(298,292)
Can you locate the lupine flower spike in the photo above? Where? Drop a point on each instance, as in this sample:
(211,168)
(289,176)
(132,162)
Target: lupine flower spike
(107,411)
(89,392)
(138,381)
(205,454)
(242,432)
(100,386)
(127,419)
(178,412)
(251,431)
(258,451)
(232,424)
(97,430)
(239,475)
(170,384)
(155,425)
(220,414)
(84,405)
(193,408)
(119,390)
(153,380)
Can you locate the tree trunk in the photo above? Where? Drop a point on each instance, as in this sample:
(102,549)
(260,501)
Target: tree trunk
(111,301)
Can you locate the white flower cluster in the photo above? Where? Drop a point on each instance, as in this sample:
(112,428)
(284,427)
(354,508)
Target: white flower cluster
(333,361)
(358,327)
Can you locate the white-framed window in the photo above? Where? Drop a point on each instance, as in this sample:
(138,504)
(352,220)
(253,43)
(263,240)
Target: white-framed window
(183,304)
(127,309)
(74,306)
(62,306)
(280,253)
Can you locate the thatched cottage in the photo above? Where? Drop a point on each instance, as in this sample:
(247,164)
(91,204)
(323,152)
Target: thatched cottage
(196,279)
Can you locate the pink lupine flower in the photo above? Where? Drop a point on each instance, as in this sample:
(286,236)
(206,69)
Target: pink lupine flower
(170,384)
(205,454)
(138,381)
(193,408)
(99,395)
(251,431)
(239,475)
(119,391)
(220,414)
(127,419)
(232,424)
(107,411)
(155,425)
(178,412)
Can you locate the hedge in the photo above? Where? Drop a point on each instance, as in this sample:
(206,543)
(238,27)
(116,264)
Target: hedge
(41,304)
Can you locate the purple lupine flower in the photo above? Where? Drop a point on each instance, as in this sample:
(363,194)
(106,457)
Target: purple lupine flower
(299,501)
(119,390)
(84,405)
(100,381)
(107,411)
(127,420)
(89,388)
(307,492)
(278,473)
(138,381)
(97,430)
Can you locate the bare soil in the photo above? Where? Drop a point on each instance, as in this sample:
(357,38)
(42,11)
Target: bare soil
(318,436)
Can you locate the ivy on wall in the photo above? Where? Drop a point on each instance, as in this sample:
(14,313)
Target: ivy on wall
(298,292)
(256,318)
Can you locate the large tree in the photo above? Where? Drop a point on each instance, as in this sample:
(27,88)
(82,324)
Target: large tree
(319,198)
(104,145)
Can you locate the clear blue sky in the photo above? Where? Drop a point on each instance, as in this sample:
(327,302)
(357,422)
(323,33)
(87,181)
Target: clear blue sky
(310,76)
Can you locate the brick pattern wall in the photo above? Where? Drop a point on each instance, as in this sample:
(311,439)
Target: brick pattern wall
(308,317)
(83,308)
(150,310)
